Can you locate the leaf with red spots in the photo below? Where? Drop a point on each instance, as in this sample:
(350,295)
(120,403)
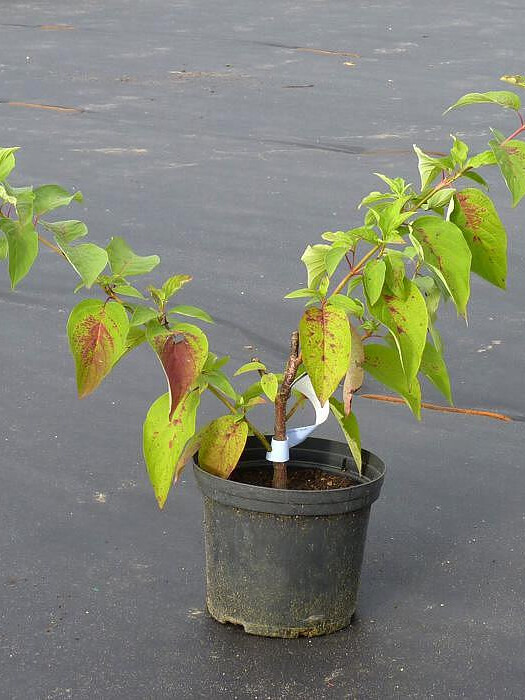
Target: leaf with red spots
(182,353)
(325,345)
(446,252)
(355,372)
(222,443)
(97,337)
(164,439)
(406,318)
(475,214)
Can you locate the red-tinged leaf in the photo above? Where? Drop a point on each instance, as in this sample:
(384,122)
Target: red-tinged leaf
(325,344)
(97,333)
(182,353)
(164,440)
(355,373)
(222,443)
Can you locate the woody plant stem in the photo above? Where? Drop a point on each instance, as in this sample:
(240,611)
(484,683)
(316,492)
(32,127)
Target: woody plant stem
(280,477)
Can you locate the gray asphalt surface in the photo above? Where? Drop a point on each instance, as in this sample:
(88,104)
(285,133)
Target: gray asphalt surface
(213,134)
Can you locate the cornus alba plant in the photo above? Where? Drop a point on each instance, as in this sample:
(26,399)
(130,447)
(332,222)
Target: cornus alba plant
(372,300)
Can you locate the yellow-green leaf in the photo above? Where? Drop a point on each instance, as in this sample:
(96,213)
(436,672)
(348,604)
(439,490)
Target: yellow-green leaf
(222,444)
(325,344)
(164,440)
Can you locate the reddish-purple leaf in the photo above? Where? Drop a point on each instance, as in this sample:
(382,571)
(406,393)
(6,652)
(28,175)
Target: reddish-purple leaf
(182,353)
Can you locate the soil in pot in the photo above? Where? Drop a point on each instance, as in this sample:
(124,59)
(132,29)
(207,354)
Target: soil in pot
(299,478)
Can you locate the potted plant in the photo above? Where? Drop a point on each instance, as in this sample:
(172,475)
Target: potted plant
(284,544)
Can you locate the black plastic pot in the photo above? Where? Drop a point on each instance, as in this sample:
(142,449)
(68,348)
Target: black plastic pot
(285,563)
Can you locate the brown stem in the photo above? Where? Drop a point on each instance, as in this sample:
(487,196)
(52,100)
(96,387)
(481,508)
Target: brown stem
(50,245)
(442,409)
(280,477)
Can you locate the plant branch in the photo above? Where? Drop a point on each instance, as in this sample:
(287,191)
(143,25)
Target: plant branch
(50,245)
(518,131)
(280,477)
(442,409)
(357,268)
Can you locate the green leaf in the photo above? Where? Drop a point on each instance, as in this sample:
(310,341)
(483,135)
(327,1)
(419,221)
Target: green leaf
(123,261)
(351,306)
(325,343)
(350,428)
(164,440)
(220,381)
(395,271)
(66,231)
(447,253)
(481,159)
(458,152)
(511,160)
(472,175)
(304,294)
(373,279)
(355,373)
(383,363)
(476,216)
(11,199)
(87,259)
(440,199)
(192,311)
(22,243)
(49,197)
(135,337)
(182,359)
(7,161)
(517,80)
(143,314)
(127,290)
(270,385)
(428,167)
(406,318)
(504,98)
(252,391)
(334,256)
(24,202)
(174,284)
(314,258)
(222,444)
(433,366)
(250,367)
(391,217)
(97,333)
(3,246)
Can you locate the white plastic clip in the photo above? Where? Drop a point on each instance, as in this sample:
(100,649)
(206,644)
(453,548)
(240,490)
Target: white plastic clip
(280,451)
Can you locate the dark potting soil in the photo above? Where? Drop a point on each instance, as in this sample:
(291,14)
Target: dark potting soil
(299,478)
